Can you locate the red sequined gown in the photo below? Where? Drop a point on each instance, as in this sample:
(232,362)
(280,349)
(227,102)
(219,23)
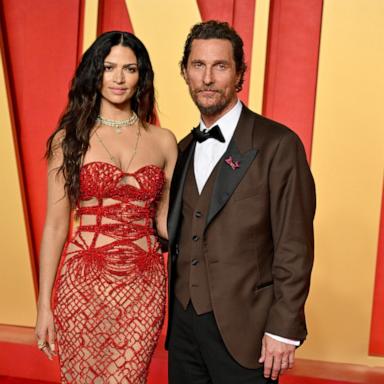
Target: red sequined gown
(109,297)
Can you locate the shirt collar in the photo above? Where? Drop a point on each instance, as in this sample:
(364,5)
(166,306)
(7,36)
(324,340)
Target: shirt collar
(228,122)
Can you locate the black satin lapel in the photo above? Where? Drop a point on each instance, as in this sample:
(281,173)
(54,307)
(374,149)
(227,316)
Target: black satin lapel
(228,179)
(175,209)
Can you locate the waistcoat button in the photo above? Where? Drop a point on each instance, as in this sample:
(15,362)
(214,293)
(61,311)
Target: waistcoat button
(198,214)
(195,262)
(195,238)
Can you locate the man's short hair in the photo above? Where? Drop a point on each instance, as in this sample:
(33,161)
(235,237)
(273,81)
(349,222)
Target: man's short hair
(214,29)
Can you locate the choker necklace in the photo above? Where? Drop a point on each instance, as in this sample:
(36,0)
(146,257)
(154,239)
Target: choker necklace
(118,124)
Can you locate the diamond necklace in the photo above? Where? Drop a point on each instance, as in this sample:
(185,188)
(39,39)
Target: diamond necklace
(118,124)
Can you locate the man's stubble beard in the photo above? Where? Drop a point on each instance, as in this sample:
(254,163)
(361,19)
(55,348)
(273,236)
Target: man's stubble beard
(211,110)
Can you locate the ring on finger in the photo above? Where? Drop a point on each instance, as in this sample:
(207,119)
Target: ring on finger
(41,344)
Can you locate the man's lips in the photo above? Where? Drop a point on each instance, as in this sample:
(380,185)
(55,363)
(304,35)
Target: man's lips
(207,92)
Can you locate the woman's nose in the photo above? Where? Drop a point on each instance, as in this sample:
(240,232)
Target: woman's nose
(119,77)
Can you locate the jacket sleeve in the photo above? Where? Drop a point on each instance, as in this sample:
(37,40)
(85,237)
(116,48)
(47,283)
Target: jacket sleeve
(292,209)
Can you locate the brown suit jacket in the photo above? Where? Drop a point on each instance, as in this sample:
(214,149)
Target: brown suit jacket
(258,238)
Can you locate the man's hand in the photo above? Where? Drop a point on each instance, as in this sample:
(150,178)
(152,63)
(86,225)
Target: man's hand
(276,356)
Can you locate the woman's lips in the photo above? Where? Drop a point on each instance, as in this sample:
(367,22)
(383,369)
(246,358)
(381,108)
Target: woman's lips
(118,91)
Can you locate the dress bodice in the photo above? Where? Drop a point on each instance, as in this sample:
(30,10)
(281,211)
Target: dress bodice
(131,207)
(116,213)
(104,180)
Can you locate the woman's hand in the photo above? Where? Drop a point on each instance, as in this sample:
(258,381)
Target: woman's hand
(45,332)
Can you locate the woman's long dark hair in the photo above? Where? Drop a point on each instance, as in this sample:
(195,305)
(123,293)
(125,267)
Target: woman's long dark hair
(84,99)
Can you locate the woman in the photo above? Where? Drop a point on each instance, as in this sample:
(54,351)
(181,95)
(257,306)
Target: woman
(113,167)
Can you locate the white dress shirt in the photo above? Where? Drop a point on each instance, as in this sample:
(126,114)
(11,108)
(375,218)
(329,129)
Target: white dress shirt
(209,152)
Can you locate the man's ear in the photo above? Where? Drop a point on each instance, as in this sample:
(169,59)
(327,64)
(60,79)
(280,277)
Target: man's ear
(238,86)
(184,74)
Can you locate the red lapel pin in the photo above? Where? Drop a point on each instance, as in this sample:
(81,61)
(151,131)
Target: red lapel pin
(232,163)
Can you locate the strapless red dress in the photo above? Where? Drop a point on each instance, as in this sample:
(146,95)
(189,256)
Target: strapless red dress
(109,300)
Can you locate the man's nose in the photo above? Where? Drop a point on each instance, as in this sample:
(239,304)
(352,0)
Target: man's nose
(208,76)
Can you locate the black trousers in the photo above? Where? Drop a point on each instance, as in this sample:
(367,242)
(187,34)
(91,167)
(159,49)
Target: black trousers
(197,354)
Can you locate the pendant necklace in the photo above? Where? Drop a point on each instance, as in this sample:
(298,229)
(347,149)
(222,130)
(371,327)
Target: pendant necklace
(113,158)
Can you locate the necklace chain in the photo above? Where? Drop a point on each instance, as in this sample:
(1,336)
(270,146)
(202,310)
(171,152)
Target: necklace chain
(113,158)
(118,124)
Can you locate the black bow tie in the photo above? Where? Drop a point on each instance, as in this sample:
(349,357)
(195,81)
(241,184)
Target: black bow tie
(213,133)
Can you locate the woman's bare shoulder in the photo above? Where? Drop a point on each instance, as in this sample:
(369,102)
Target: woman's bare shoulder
(164,136)
(56,147)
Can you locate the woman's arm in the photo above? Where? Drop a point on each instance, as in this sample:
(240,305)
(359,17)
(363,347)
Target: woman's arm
(54,236)
(169,146)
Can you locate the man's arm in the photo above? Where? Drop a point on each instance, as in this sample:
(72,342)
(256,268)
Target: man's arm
(292,202)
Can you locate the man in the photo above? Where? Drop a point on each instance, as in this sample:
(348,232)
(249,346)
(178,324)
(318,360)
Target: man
(240,229)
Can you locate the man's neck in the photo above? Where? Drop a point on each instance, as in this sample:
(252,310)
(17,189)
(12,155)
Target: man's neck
(209,120)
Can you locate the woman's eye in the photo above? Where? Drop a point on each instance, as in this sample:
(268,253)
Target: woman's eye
(132,69)
(107,68)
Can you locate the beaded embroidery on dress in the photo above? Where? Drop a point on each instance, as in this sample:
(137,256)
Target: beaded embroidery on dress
(109,301)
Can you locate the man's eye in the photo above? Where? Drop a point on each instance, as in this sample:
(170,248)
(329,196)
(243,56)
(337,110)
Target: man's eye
(221,66)
(197,65)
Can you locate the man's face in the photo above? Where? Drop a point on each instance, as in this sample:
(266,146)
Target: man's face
(211,76)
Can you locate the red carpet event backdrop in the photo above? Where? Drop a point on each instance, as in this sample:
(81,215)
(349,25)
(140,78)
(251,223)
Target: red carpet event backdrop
(314,65)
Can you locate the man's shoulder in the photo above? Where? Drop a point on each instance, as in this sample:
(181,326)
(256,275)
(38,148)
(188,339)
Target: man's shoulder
(269,129)
(265,123)
(185,142)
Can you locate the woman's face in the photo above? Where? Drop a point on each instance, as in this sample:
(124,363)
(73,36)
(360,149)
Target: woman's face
(120,77)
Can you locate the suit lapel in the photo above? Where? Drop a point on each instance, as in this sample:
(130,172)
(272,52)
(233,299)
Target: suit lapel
(228,178)
(177,190)
(239,150)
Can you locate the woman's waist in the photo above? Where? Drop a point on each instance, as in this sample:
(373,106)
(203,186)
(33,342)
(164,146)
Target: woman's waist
(126,229)
(111,258)
(116,210)
(87,239)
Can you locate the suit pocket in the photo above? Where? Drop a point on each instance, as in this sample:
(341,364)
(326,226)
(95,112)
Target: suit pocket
(263,296)
(250,195)
(263,287)
(244,192)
